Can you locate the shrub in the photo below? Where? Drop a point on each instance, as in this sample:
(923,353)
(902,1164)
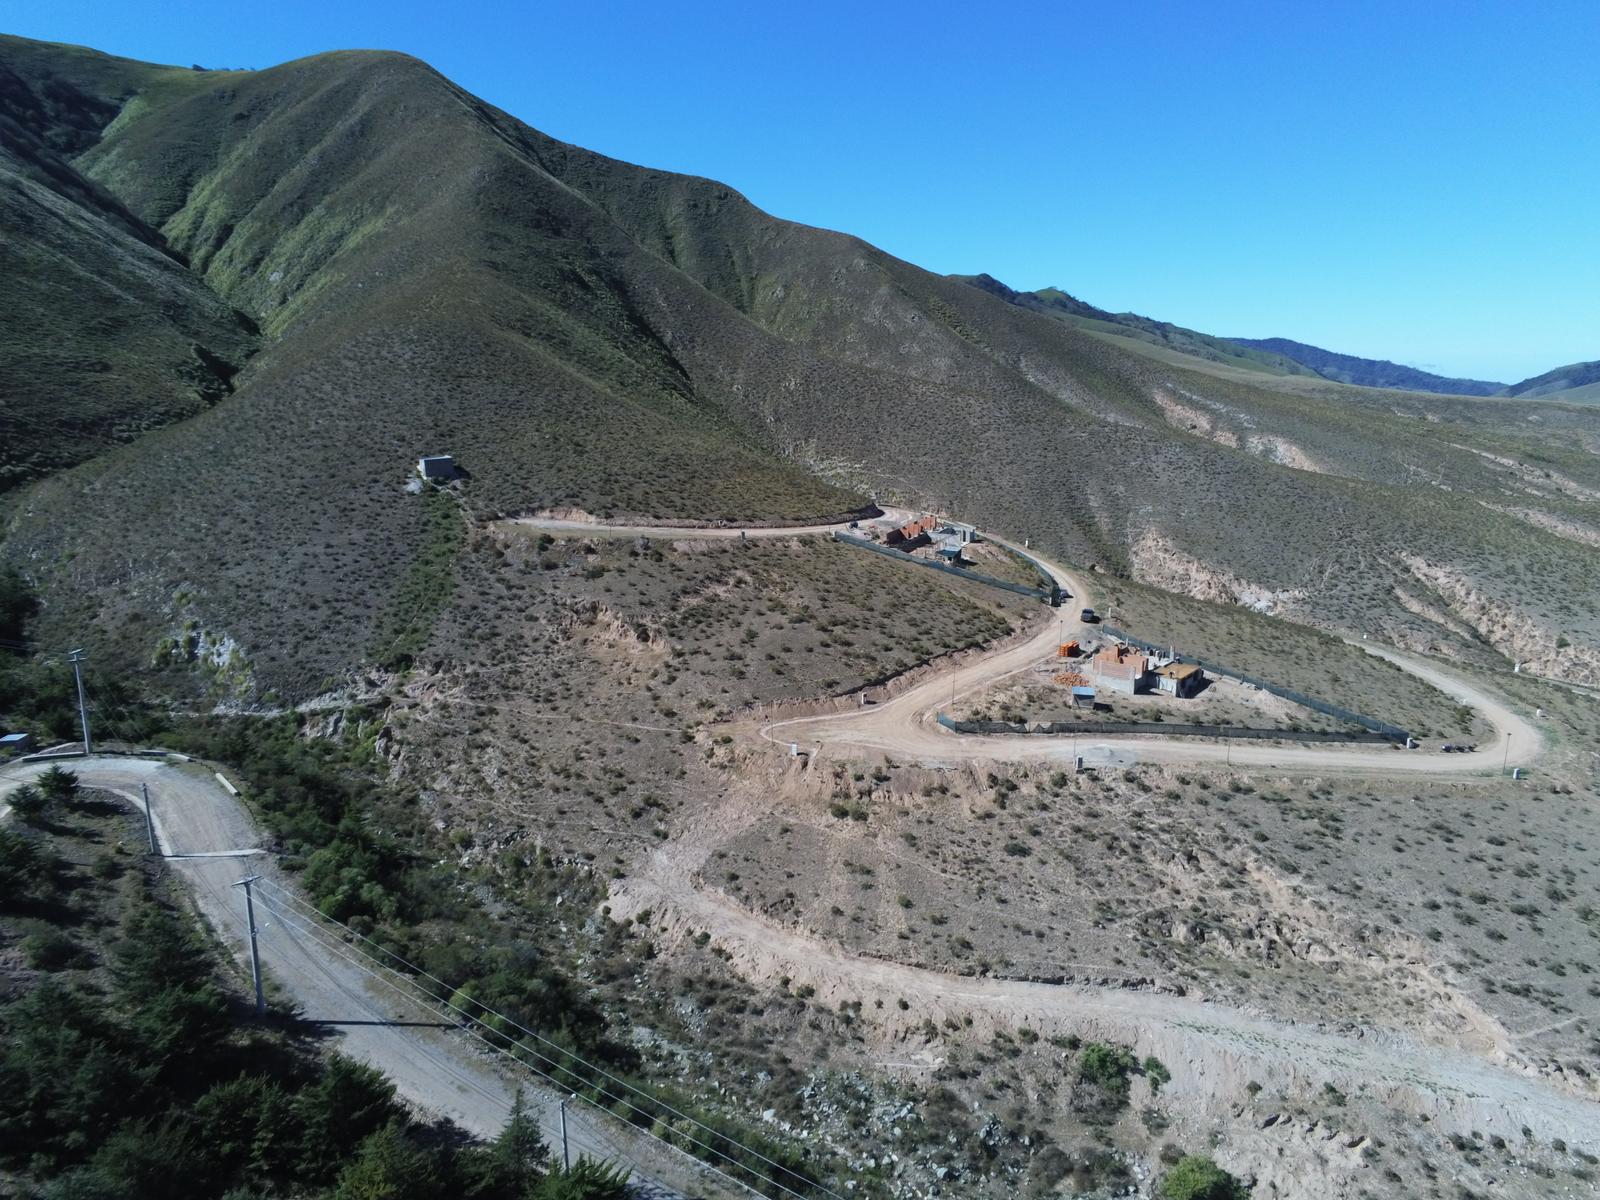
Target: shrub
(1196,1177)
(1156,1072)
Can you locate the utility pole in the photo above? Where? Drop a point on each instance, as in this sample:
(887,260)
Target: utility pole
(1506,758)
(255,954)
(566,1153)
(149,823)
(76,658)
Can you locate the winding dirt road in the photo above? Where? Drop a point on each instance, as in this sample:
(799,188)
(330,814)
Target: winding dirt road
(906,725)
(1220,1048)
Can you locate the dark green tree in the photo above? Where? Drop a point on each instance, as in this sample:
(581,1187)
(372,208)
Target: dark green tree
(59,785)
(508,1167)
(63,1081)
(391,1166)
(28,802)
(348,1104)
(587,1180)
(163,975)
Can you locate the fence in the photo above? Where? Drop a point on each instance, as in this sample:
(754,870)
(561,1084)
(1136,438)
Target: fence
(1387,732)
(1049,597)
(1160,729)
(1054,588)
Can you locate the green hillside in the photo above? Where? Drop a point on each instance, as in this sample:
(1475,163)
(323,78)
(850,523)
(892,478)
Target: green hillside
(430,274)
(1576,383)
(107,333)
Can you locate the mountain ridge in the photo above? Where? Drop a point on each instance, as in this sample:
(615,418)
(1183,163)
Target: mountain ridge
(431,274)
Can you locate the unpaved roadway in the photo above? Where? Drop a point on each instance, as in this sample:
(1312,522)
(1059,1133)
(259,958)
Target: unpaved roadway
(571,527)
(906,725)
(208,837)
(1220,1049)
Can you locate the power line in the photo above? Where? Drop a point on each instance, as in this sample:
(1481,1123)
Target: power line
(383,974)
(292,920)
(565,1052)
(429,1002)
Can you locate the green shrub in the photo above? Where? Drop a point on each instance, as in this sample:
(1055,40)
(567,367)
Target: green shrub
(1196,1177)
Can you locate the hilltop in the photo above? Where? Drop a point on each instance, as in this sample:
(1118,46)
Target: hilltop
(418,271)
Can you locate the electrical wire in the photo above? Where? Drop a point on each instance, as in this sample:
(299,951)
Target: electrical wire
(382,973)
(601,1071)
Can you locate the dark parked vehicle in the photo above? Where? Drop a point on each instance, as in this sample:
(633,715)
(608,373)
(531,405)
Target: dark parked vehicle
(1088,615)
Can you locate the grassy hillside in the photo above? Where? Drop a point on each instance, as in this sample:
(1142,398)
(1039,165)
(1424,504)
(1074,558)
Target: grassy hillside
(430,274)
(1576,383)
(106,333)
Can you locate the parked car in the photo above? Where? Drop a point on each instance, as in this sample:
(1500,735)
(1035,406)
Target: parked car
(1088,615)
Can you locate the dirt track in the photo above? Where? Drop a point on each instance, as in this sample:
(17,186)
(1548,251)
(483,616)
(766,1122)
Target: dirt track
(906,726)
(1220,1048)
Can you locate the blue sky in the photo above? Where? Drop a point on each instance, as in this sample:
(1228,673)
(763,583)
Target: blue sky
(1403,180)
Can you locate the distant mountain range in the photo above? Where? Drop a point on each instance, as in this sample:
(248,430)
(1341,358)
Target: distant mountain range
(1371,372)
(1284,356)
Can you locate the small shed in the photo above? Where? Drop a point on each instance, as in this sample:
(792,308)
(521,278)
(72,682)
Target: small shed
(15,743)
(1083,697)
(436,467)
(1178,679)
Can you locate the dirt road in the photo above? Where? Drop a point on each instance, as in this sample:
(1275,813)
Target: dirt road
(906,725)
(569,527)
(207,836)
(1214,1051)
(1221,1049)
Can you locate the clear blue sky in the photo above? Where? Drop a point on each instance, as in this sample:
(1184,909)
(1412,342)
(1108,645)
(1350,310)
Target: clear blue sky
(1405,180)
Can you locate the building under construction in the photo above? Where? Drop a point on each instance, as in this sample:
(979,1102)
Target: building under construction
(1120,667)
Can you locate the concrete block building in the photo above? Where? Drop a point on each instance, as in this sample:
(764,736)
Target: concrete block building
(1121,668)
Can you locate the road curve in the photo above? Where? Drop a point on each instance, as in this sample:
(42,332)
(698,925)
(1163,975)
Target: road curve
(209,838)
(906,725)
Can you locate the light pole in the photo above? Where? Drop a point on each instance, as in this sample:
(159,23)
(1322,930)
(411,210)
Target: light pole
(255,954)
(76,658)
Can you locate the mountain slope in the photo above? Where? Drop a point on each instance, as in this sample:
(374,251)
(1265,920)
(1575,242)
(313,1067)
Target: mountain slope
(106,333)
(1371,372)
(433,275)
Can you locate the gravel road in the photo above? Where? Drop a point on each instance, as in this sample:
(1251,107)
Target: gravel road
(208,837)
